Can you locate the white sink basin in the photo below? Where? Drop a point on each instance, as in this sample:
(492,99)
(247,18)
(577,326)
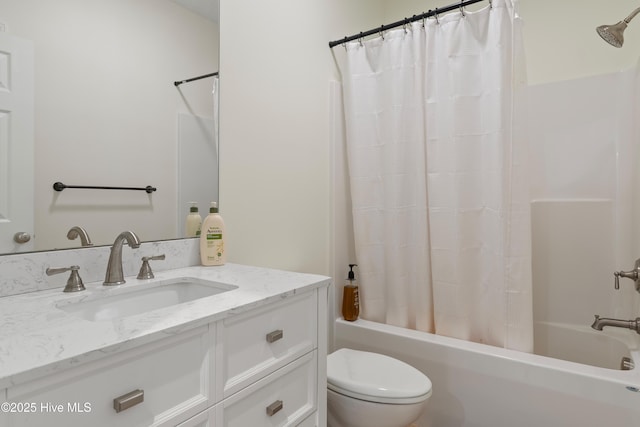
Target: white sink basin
(128,302)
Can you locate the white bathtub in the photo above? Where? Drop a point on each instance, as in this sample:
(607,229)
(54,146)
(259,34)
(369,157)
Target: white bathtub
(582,344)
(476,385)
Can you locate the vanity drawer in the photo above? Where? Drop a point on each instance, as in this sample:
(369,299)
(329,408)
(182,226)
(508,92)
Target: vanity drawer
(283,398)
(258,343)
(205,418)
(310,421)
(173,374)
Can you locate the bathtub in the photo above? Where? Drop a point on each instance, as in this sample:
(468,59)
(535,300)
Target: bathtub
(476,385)
(582,344)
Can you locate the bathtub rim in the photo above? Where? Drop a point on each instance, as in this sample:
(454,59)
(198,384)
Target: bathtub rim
(630,378)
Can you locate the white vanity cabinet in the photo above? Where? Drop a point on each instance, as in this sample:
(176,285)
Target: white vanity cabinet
(263,366)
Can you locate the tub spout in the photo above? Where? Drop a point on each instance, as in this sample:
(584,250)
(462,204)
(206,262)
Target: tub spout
(601,322)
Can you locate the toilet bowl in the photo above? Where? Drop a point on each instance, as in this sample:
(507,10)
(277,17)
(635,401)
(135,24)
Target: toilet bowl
(367,389)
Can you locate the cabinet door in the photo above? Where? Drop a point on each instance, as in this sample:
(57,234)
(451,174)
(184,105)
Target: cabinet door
(170,380)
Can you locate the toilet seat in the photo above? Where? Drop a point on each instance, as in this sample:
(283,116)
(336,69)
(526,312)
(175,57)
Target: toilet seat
(375,378)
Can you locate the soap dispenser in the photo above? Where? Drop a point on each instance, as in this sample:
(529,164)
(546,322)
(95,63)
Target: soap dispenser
(350,297)
(193,221)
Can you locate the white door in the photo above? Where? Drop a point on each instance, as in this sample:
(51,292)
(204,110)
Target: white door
(16,144)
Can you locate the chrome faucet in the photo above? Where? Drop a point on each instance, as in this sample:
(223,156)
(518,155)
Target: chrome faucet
(76,231)
(601,322)
(114,274)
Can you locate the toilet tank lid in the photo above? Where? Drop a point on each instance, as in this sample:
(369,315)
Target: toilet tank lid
(375,375)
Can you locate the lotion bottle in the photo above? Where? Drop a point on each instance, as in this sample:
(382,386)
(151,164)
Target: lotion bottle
(193,223)
(350,297)
(212,238)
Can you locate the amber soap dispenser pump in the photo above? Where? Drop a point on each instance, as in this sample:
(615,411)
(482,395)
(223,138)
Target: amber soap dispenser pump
(350,297)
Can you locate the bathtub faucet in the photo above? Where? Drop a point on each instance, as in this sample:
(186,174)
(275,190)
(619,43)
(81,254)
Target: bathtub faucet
(601,322)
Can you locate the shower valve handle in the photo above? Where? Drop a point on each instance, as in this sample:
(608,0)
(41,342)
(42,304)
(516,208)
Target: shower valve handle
(632,274)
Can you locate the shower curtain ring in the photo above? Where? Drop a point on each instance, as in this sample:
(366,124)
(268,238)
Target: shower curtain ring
(462,8)
(360,39)
(490,4)
(382,31)
(413,19)
(435,13)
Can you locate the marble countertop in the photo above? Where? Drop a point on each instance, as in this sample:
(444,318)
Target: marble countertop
(38,338)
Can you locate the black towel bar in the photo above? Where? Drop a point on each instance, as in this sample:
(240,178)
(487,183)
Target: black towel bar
(58,186)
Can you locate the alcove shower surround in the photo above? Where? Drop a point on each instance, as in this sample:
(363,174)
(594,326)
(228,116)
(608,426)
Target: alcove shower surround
(582,161)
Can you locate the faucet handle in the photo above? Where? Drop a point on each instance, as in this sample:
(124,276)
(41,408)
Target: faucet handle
(145,269)
(74,283)
(631,274)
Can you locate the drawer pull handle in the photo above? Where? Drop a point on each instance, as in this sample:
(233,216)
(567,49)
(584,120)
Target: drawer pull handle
(274,408)
(275,335)
(128,400)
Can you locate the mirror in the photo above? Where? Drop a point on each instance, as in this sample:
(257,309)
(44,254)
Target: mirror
(105,112)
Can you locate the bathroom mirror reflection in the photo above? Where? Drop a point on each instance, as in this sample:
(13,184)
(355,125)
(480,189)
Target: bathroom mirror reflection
(87,98)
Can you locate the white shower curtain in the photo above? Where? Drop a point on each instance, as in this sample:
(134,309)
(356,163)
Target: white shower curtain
(437,173)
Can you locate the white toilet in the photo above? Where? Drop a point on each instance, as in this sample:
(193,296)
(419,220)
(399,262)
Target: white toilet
(373,390)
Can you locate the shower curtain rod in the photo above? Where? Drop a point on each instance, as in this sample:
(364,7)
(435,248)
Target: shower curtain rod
(195,78)
(405,21)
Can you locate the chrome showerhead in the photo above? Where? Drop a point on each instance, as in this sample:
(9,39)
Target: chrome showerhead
(613,34)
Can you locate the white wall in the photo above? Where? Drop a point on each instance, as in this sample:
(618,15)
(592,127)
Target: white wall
(562,44)
(106,109)
(275,171)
